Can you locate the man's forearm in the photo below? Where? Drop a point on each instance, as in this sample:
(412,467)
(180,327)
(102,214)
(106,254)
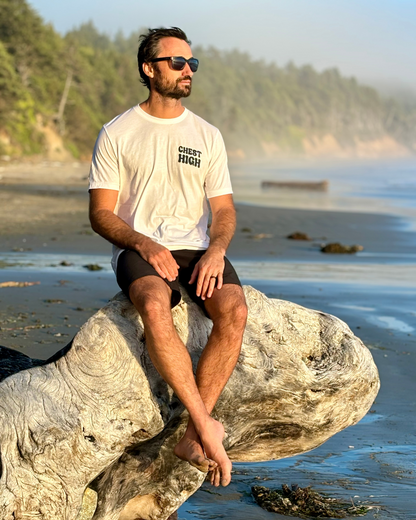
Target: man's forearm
(115,230)
(222,229)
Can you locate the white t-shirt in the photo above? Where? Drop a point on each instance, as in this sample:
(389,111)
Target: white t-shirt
(164,171)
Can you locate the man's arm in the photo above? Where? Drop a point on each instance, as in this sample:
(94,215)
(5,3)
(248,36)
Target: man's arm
(209,270)
(115,230)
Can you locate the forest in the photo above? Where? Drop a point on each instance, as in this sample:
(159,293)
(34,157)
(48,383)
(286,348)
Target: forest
(77,82)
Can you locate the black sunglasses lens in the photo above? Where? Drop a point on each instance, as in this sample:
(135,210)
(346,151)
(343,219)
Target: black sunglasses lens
(193,64)
(178,63)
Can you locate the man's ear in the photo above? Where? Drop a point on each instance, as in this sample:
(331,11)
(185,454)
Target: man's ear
(148,70)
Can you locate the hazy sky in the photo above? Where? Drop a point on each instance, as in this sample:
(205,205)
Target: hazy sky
(374,40)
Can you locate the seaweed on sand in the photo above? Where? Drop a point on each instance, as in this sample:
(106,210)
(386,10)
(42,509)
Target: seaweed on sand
(304,503)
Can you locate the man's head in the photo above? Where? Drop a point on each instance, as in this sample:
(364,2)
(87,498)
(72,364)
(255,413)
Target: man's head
(168,80)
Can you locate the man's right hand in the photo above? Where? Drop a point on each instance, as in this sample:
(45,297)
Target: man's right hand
(160,258)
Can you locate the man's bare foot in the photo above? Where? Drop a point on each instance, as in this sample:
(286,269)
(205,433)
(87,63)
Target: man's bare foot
(206,451)
(189,448)
(211,438)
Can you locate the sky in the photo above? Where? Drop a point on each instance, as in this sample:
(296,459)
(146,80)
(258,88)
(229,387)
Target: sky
(373,40)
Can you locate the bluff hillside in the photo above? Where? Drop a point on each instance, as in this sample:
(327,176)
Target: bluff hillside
(56,92)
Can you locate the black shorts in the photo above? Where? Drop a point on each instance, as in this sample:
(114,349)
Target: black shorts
(131,266)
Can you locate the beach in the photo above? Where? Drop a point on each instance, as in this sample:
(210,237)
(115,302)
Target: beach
(45,237)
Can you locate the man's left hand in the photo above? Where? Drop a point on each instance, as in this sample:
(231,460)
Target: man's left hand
(209,273)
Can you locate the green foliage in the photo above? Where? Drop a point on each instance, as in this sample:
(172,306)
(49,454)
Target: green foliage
(11,88)
(17,109)
(22,127)
(35,50)
(255,104)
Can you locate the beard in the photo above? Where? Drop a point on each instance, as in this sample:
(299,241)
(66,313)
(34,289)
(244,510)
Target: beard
(172,89)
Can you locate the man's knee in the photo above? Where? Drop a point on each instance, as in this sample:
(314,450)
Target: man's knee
(151,297)
(153,309)
(231,306)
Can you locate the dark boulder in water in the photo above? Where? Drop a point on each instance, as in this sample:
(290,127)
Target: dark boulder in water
(298,235)
(337,248)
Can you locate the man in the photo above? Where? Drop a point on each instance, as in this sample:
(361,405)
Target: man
(152,171)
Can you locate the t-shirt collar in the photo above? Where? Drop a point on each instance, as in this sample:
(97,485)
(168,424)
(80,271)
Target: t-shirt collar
(159,120)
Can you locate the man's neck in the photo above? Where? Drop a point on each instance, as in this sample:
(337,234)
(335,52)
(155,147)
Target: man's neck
(162,107)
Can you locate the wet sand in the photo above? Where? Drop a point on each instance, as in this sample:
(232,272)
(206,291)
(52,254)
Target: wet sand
(44,212)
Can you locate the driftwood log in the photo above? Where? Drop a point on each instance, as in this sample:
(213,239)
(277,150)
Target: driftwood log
(98,415)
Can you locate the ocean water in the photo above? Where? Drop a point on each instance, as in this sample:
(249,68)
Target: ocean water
(387,186)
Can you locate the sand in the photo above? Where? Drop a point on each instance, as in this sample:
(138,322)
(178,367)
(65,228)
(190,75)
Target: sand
(43,210)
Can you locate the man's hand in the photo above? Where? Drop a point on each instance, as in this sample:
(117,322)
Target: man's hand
(160,258)
(209,273)
(210,268)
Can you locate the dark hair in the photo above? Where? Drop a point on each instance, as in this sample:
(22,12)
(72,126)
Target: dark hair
(149,47)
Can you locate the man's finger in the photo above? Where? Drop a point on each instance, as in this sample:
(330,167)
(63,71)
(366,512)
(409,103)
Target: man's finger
(173,271)
(163,270)
(194,274)
(211,286)
(159,271)
(172,262)
(169,264)
(205,285)
(200,282)
(220,279)
(171,277)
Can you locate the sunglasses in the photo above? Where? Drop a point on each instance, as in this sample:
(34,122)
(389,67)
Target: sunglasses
(179,62)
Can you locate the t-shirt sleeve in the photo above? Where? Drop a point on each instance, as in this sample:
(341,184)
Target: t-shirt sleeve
(217,180)
(104,171)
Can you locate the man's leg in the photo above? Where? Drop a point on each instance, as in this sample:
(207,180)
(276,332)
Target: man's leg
(152,298)
(228,311)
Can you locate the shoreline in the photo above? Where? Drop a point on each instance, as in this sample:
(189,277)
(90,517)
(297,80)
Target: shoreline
(261,232)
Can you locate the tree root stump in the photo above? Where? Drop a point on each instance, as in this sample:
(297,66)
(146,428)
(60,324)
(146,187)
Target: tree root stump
(98,414)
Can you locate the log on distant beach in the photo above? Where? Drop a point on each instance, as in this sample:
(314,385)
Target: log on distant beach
(98,414)
(297,185)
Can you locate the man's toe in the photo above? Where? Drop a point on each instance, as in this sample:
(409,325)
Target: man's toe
(225,481)
(203,464)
